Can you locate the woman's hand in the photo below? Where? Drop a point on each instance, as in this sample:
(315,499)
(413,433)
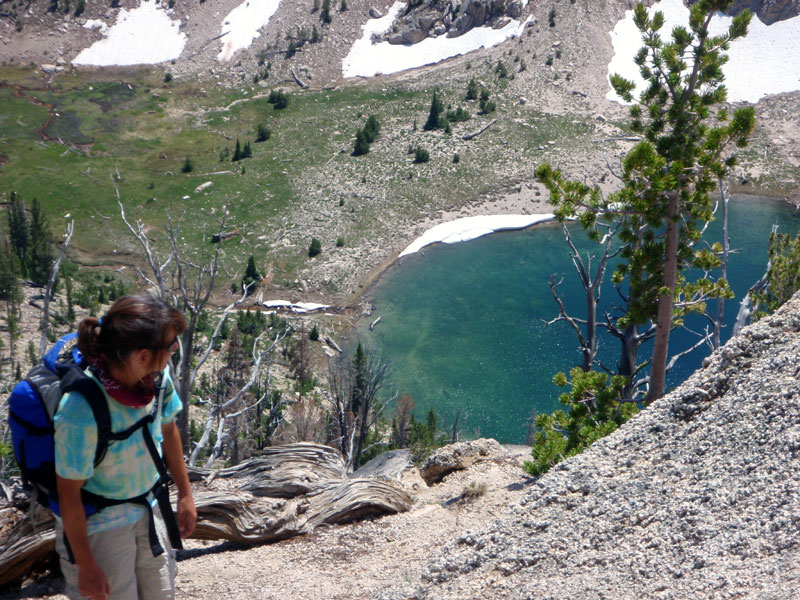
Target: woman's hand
(173,456)
(92,582)
(187,515)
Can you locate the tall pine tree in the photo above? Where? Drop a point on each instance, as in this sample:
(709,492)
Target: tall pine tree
(41,256)
(18,228)
(668,175)
(435,120)
(10,290)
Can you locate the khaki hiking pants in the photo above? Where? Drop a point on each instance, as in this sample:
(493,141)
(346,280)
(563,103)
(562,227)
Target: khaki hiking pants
(126,559)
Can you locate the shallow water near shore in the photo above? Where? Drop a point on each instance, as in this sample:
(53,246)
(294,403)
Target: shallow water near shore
(463,324)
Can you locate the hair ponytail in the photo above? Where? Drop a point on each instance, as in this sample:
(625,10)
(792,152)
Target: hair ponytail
(89,337)
(132,323)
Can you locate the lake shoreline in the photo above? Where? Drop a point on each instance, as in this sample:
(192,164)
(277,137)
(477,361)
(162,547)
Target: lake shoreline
(524,201)
(470,323)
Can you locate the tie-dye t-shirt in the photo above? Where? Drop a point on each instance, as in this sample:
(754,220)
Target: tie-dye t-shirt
(127,469)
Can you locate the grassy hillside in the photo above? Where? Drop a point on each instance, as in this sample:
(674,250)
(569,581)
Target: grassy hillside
(71,143)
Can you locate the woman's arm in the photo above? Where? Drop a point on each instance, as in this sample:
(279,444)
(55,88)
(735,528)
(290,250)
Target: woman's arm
(173,456)
(92,582)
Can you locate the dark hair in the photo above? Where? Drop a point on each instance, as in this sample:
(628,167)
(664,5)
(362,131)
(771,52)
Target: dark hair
(132,323)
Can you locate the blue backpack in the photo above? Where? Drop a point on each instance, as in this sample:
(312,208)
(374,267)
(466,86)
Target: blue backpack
(33,404)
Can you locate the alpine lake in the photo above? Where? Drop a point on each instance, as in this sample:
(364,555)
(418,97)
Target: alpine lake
(463,325)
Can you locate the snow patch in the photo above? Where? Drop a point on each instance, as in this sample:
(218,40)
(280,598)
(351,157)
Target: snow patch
(469,228)
(297,307)
(96,24)
(143,35)
(366,59)
(763,62)
(240,27)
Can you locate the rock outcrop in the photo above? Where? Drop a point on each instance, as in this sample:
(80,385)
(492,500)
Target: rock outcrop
(457,457)
(432,18)
(696,497)
(769,11)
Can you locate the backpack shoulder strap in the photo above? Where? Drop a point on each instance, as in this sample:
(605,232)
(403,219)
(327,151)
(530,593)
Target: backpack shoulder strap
(77,381)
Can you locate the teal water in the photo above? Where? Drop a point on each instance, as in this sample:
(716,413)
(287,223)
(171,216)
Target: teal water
(462,323)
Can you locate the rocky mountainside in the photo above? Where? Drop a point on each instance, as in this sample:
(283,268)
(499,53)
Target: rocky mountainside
(697,497)
(433,18)
(769,11)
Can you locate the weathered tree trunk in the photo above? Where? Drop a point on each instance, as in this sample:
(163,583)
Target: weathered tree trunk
(286,491)
(658,363)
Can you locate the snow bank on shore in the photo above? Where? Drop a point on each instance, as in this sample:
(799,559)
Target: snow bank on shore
(469,228)
(142,35)
(764,62)
(366,59)
(297,307)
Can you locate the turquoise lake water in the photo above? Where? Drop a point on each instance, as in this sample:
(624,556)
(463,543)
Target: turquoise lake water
(462,323)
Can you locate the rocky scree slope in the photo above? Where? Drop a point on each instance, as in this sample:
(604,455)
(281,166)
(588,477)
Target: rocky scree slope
(697,497)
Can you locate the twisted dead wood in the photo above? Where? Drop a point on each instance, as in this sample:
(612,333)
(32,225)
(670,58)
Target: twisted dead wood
(284,492)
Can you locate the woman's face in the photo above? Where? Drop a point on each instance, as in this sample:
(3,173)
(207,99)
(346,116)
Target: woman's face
(162,355)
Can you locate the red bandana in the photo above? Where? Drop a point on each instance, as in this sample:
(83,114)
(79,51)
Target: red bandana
(139,398)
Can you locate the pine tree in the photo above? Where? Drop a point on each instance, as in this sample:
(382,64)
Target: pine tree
(783,275)
(372,128)
(361,146)
(19,228)
(472,90)
(237,152)
(41,258)
(435,114)
(325,15)
(251,275)
(667,176)
(262,133)
(10,290)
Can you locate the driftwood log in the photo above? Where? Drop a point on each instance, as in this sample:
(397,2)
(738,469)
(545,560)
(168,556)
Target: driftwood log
(475,134)
(284,492)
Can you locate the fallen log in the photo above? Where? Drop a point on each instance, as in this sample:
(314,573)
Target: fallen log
(375,322)
(297,80)
(283,492)
(332,344)
(475,134)
(216,238)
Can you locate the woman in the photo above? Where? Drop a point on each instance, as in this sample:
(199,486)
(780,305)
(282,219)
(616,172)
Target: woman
(110,554)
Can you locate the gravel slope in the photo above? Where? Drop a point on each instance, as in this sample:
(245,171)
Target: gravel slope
(697,497)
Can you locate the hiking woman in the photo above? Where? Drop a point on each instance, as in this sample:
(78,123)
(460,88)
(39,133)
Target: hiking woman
(123,552)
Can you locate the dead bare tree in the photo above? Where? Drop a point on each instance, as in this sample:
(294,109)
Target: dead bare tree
(586,329)
(189,285)
(48,292)
(630,336)
(223,413)
(746,308)
(402,420)
(352,394)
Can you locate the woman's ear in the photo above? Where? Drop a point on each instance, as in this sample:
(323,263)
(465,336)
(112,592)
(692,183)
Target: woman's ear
(142,357)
